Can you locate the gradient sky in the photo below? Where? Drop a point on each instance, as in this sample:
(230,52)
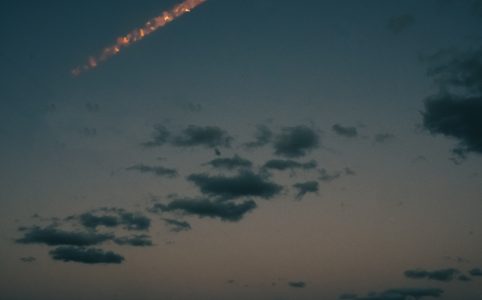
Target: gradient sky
(374,108)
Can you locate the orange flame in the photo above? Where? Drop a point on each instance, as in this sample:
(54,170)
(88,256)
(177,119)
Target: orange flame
(138,34)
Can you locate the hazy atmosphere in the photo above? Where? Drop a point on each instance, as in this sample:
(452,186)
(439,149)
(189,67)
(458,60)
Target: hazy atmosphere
(241,149)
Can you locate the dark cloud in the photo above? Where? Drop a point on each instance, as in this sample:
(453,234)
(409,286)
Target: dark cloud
(304,188)
(244,184)
(207,136)
(456,110)
(456,117)
(113,217)
(464,278)
(349,172)
(140,240)
(177,226)
(53,237)
(348,296)
(281,165)
(346,131)
(296,141)
(156,170)
(475,272)
(400,23)
(85,255)
(230,163)
(398,294)
(327,176)
(263,136)
(226,211)
(297,284)
(383,137)
(28,259)
(439,275)
(159,137)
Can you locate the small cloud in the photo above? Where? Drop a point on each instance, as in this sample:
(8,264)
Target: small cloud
(159,137)
(328,177)
(85,255)
(297,284)
(156,170)
(202,207)
(207,136)
(141,240)
(177,226)
(263,136)
(296,141)
(464,278)
(476,272)
(439,275)
(53,237)
(281,165)
(345,131)
(349,172)
(383,137)
(244,184)
(400,23)
(398,294)
(304,188)
(236,162)
(28,259)
(113,217)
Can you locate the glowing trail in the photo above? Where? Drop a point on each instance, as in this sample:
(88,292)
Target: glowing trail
(138,34)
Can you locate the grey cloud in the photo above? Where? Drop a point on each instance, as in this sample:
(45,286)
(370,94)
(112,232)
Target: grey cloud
(156,170)
(456,117)
(53,237)
(230,163)
(439,275)
(346,131)
(28,259)
(245,183)
(304,188)
(297,284)
(159,137)
(226,211)
(328,177)
(263,136)
(400,23)
(207,136)
(296,141)
(177,226)
(281,165)
(113,217)
(349,172)
(398,294)
(140,240)
(85,255)
(456,110)
(464,278)
(383,137)
(476,272)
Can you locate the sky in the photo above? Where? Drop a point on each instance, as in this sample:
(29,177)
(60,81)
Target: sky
(249,149)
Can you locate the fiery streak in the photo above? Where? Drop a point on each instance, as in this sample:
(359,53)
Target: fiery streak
(138,34)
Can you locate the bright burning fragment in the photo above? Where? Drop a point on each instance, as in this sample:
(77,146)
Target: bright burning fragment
(138,34)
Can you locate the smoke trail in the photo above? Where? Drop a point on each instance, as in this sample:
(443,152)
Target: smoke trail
(138,34)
